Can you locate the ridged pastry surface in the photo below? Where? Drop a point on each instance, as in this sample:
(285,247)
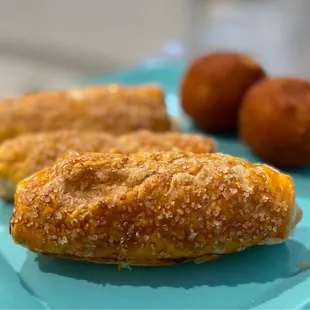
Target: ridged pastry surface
(152,208)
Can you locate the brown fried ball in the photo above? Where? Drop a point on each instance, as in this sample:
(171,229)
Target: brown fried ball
(213,87)
(274,121)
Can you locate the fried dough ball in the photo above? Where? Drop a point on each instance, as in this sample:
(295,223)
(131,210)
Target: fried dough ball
(274,121)
(213,87)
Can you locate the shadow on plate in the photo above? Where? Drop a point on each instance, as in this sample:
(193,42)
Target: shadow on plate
(12,285)
(258,265)
(189,126)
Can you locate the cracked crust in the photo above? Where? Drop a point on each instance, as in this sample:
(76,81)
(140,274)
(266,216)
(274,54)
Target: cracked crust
(150,208)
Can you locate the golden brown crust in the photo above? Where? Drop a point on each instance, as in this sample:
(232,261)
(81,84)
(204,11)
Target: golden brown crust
(146,141)
(148,207)
(26,154)
(213,87)
(109,108)
(274,120)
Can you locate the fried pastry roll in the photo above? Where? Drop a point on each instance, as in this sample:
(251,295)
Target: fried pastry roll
(24,155)
(152,208)
(109,108)
(146,141)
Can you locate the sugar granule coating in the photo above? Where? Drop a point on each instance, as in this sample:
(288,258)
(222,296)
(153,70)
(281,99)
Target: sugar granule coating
(213,87)
(152,208)
(110,108)
(274,121)
(26,154)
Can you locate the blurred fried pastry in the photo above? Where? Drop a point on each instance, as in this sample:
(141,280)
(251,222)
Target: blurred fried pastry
(110,108)
(213,87)
(24,155)
(274,121)
(146,141)
(152,208)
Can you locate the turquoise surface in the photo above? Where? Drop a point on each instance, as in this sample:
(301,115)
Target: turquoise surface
(262,277)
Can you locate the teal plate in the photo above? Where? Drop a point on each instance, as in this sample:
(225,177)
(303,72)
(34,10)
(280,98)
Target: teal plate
(261,277)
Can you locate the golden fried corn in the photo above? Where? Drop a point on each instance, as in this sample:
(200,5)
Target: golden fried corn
(109,108)
(152,208)
(24,155)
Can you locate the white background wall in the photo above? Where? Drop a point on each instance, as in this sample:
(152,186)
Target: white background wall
(48,42)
